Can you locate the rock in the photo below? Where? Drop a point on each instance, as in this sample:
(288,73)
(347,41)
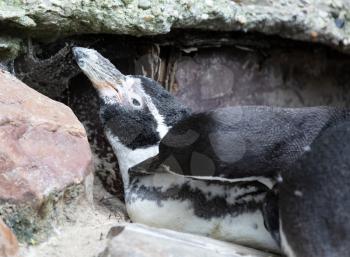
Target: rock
(135,240)
(49,20)
(9,47)
(45,159)
(289,77)
(144,4)
(8,241)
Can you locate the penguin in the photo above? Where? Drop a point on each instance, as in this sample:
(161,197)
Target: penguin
(256,142)
(248,143)
(314,202)
(137,113)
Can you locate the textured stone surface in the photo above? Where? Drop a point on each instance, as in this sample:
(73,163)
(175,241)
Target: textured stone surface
(135,240)
(8,242)
(9,46)
(318,20)
(45,158)
(289,77)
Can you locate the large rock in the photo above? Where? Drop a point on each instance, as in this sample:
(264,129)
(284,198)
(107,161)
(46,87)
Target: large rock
(45,159)
(135,240)
(325,21)
(8,242)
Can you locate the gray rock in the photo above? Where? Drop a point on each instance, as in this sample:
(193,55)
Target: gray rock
(9,47)
(323,21)
(135,240)
(290,77)
(144,4)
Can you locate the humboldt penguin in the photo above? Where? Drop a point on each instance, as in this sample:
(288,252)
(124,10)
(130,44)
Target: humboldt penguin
(137,113)
(314,198)
(248,143)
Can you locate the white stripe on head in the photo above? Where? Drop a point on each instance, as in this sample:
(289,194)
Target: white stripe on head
(162,128)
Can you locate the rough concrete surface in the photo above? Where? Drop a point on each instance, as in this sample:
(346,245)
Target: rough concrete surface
(323,21)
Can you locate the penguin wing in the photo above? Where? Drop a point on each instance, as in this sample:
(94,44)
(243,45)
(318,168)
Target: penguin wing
(241,141)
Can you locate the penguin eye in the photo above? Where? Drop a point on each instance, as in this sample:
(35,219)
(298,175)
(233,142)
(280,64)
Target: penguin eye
(135,102)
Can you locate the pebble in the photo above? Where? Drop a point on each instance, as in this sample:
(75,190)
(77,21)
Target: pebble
(144,4)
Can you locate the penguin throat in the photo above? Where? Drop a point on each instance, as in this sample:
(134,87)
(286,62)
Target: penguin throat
(128,157)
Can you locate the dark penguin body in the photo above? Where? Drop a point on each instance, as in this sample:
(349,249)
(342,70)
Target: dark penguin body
(243,141)
(137,113)
(314,198)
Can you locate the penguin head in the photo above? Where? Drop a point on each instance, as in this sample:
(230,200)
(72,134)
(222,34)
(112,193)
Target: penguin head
(135,110)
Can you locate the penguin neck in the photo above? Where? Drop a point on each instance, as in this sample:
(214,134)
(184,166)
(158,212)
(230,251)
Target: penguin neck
(128,157)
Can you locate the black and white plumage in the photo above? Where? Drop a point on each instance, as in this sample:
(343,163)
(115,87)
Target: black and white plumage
(253,143)
(230,158)
(137,113)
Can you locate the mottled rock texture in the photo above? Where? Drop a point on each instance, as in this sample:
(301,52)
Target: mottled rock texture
(294,76)
(135,240)
(323,21)
(45,158)
(8,242)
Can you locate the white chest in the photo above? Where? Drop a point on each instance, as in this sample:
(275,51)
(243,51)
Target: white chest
(127,157)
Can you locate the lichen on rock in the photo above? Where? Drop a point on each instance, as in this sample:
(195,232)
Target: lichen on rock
(325,21)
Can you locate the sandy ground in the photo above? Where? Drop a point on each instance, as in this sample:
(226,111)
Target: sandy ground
(86,236)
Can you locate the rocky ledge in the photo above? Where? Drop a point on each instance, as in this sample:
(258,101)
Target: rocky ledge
(325,21)
(45,159)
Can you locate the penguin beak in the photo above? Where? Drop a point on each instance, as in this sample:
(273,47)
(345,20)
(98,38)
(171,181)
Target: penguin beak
(105,77)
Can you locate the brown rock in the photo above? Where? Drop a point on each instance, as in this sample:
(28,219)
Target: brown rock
(44,156)
(8,241)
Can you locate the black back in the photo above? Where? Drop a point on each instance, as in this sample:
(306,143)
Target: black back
(315,197)
(243,141)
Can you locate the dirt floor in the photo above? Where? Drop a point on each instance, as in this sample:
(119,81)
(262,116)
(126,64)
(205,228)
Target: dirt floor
(86,236)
